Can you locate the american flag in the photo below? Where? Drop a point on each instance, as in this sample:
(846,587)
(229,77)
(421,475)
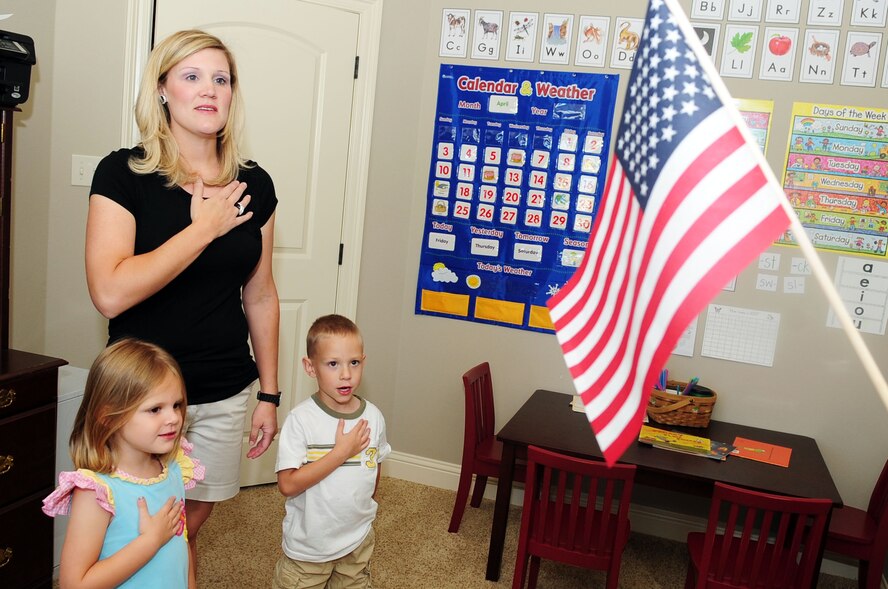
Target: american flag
(686,207)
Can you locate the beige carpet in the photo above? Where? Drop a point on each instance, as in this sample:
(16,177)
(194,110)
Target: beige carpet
(241,542)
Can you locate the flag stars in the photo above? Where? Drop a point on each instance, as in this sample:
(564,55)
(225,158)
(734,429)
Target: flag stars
(669,93)
(689,107)
(668,133)
(708,92)
(669,112)
(654,120)
(672,54)
(670,73)
(691,71)
(690,89)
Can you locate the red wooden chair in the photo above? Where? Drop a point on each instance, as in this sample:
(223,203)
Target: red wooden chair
(767,541)
(482,452)
(863,534)
(576,511)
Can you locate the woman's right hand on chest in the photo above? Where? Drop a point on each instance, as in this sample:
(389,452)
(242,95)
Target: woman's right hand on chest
(216,209)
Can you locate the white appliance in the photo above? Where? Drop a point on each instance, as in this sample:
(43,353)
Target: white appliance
(72,381)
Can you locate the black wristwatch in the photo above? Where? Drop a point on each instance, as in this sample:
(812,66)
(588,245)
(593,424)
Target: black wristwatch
(270,398)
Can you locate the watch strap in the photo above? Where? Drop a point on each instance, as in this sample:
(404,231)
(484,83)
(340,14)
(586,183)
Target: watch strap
(270,398)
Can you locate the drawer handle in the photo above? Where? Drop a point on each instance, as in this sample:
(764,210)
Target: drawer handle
(7,397)
(5,557)
(6,463)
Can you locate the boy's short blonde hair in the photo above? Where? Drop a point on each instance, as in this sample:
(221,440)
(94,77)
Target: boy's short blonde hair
(326,326)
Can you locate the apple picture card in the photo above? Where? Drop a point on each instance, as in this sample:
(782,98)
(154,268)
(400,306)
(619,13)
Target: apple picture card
(738,54)
(778,54)
(825,13)
(745,10)
(819,56)
(785,11)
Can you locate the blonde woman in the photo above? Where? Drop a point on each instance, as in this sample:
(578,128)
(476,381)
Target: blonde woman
(178,252)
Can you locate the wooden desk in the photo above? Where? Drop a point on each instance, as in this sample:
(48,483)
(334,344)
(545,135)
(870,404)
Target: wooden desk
(547,420)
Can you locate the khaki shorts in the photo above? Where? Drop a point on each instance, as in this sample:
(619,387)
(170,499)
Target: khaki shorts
(352,571)
(217,432)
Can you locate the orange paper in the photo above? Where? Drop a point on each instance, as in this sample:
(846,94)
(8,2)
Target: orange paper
(762,451)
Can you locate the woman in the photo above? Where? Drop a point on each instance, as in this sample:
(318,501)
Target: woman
(178,252)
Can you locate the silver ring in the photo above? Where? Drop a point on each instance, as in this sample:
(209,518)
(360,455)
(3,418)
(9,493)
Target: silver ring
(240,208)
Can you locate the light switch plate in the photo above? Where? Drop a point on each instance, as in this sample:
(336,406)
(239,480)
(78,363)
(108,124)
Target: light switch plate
(82,169)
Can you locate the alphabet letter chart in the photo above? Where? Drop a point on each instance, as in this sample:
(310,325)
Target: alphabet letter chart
(518,163)
(863,288)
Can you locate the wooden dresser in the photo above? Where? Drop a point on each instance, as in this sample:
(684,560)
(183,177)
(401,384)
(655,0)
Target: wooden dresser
(28,392)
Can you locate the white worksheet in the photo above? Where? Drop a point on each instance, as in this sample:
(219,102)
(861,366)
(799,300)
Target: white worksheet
(741,335)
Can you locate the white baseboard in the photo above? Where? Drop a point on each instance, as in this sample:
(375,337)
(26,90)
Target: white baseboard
(646,520)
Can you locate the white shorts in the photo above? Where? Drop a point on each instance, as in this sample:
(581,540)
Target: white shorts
(217,432)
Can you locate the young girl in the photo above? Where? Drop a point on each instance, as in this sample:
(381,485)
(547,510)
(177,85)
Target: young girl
(126,500)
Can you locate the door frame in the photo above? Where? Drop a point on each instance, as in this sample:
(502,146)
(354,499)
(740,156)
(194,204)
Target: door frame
(139,33)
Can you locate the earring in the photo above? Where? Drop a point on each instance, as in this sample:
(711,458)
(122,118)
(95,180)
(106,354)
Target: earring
(163,99)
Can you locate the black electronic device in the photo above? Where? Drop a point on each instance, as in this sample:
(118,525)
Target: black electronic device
(16,59)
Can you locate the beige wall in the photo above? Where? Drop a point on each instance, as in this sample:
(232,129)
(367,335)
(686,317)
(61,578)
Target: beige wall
(815,388)
(75,108)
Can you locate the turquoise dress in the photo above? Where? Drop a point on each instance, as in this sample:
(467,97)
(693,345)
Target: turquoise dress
(118,493)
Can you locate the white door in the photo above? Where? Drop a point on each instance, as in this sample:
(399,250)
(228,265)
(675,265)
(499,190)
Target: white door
(296,63)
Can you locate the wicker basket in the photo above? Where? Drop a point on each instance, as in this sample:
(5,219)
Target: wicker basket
(689,411)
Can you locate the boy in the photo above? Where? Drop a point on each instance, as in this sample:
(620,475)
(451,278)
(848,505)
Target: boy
(328,467)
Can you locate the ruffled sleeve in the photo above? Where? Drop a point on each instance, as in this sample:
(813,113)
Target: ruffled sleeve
(192,470)
(59,501)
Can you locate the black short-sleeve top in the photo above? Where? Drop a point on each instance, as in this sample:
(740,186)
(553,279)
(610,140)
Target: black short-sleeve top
(198,317)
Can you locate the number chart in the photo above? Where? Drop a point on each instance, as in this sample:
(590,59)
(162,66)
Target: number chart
(517,167)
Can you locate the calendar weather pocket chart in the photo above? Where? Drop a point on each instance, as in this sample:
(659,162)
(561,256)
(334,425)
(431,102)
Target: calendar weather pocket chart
(517,168)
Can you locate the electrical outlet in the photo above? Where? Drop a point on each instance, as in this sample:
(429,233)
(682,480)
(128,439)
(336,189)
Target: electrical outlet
(82,169)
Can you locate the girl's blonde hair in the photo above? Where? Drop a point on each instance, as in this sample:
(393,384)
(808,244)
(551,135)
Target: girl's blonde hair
(119,380)
(161,151)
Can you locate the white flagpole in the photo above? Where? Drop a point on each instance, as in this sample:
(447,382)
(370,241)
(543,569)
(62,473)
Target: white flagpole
(798,231)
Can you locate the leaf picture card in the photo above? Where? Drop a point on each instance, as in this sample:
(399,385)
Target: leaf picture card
(738,52)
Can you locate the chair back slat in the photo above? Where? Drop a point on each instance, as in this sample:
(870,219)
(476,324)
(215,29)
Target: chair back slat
(480,415)
(765,540)
(561,519)
(878,503)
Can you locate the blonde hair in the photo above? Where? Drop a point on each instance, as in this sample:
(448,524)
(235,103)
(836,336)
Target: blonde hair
(119,380)
(326,326)
(153,118)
